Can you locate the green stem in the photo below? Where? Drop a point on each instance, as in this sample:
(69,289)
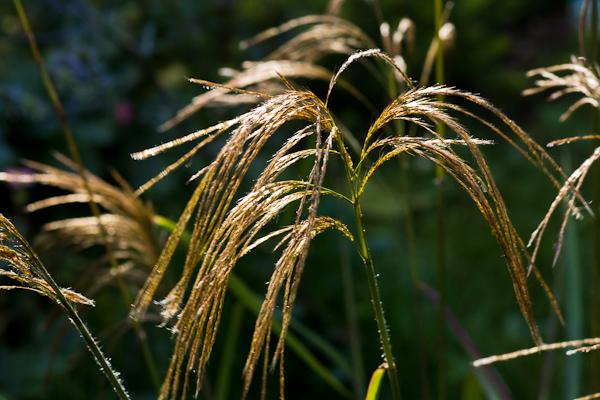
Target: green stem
(371,278)
(412,252)
(93,346)
(595,275)
(573,297)
(440,128)
(381,324)
(56,103)
(66,305)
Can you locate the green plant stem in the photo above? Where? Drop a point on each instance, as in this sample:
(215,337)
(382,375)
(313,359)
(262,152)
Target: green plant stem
(66,305)
(441,260)
(440,129)
(93,346)
(412,260)
(595,275)
(381,324)
(412,255)
(552,328)
(371,278)
(595,226)
(56,103)
(573,297)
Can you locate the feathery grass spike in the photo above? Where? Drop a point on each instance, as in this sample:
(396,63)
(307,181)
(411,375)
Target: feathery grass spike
(224,231)
(30,271)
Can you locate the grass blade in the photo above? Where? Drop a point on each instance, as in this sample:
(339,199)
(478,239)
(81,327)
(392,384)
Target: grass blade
(373,390)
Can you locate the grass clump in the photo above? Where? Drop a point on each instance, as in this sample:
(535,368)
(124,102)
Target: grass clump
(257,192)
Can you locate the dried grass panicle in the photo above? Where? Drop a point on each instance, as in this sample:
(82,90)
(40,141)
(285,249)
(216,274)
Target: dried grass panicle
(325,34)
(27,269)
(580,78)
(419,103)
(128,221)
(256,82)
(223,232)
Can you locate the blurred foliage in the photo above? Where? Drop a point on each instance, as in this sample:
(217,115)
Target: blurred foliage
(120,70)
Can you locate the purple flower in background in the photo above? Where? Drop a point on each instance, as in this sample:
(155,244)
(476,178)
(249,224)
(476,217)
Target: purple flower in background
(124,113)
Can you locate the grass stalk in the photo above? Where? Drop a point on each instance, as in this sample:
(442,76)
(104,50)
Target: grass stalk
(377,305)
(371,277)
(58,108)
(552,327)
(595,275)
(595,226)
(105,366)
(414,268)
(36,265)
(441,241)
(441,261)
(573,300)
(412,249)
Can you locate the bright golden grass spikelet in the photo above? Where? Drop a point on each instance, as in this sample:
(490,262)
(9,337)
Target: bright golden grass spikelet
(326,34)
(537,349)
(129,223)
(222,234)
(583,79)
(227,225)
(255,73)
(27,268)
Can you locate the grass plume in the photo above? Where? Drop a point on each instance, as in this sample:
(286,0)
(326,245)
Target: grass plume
(29,271)
(227,225)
